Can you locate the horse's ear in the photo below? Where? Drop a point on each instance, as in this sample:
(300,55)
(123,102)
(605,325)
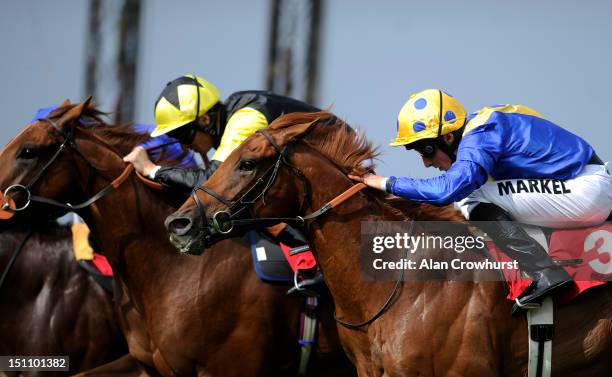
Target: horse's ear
(65,103)
(74,113)
(296,131)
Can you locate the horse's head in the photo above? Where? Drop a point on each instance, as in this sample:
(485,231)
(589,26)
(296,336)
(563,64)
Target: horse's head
(268,176)
(42,162)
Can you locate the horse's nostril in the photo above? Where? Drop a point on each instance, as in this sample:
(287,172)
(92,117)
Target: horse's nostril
(180,225)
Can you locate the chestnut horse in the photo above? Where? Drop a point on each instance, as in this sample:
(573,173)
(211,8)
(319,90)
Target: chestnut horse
(50,305)
(181,315)
(431,328)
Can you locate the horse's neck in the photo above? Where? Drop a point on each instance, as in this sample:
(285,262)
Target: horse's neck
(43,259)
(336,240)
(128,224)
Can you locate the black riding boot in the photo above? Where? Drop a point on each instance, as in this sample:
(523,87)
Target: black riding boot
(518,245)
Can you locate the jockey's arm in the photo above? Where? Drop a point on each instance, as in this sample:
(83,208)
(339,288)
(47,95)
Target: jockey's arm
(463,178)
(185,178)
(242,124)
(476,156)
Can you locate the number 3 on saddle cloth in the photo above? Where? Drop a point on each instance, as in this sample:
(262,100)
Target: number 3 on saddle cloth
(277,262)
(585,253)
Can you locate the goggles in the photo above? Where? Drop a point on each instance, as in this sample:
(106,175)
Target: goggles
(426,148)
(184,134)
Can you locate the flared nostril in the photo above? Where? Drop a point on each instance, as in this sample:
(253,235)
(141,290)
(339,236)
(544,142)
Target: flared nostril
(179,225)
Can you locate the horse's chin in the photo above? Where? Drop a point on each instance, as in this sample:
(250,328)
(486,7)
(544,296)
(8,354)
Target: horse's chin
(188,244)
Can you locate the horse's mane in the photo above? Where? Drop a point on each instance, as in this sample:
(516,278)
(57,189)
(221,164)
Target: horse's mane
(334,138)
(351,151)
(123,137)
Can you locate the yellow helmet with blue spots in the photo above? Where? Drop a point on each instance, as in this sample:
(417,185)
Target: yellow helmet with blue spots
(182,101)
(427,115)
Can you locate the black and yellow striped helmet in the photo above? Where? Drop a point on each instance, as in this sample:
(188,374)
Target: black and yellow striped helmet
(182,101)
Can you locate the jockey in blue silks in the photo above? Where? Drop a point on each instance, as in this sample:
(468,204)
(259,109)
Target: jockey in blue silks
(502,164)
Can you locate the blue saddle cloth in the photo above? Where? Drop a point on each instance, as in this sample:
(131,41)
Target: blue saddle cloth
(268,259)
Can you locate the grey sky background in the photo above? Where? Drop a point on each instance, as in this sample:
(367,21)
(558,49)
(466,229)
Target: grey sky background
(554,56)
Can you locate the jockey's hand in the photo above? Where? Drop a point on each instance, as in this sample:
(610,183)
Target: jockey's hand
(140,159)
(375,181)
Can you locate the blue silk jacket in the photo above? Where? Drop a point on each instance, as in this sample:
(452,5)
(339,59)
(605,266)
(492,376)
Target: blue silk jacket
(502,142)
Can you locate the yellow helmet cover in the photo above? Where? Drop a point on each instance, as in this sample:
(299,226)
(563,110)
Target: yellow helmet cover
(182,101)
(421,115)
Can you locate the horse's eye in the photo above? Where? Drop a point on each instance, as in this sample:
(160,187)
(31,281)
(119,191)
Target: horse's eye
(28,152)
(247,165)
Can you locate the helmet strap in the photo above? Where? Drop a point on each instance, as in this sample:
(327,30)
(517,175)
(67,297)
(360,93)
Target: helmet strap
(440,143)
(214,127)
(452,148)
(440,115)
(449,150)
(197,88)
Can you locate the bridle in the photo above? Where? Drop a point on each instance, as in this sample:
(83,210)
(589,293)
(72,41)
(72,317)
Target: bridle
(70,143)
(223,221)
(16,188)
(68,140)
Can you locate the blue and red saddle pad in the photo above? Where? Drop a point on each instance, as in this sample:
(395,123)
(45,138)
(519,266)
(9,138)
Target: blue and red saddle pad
(277,262)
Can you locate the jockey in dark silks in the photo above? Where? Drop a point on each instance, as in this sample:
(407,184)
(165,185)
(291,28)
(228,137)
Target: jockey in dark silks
(189,109)
(503,163)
